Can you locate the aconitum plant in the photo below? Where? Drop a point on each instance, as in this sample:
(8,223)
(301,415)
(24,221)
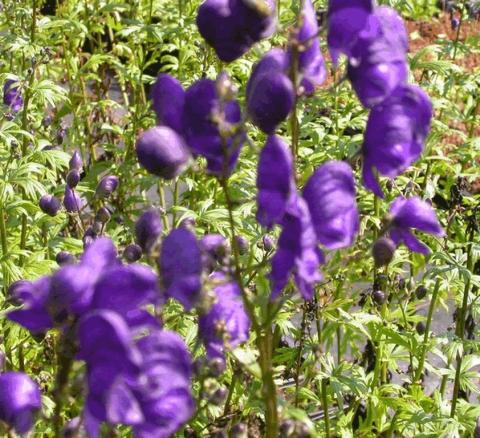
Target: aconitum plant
(236,218)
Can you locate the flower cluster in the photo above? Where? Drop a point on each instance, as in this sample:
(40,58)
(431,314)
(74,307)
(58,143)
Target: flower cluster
(202,120)
(134,368)
(270,91)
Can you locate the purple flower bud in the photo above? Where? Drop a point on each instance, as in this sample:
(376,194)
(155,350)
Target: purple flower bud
(383,250)
(412,213)
(180,265)
(132,253)
(61,133)
(107,186)
(379,297)
(103,215)
(76,161)
(421,292)
(454,22)
(72,428)
(50,205)
(270,93)
(168,99)
(65,258)
(240,430)
(47,121)
(330,195)
(12,96)
(268,243)
(73,178)
(242,244)
(72,201)
(395,133)
(162,152)
(232,27)
(19,400)
(275,181)
(148,229)
(215,245)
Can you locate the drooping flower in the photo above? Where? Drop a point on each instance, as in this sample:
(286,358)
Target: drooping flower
(211,127)
(180,264)
(148,229)
(270,93)
(20,399)
(346,19)
(378,61)
(330,195)
(407,214)
(168,98)
(226,324)
(50,205)
(162,152)
(107,186)
(311,64)
(12,96)
(275,182)
(231,27)
(72,201)
(297,252)
(395,133)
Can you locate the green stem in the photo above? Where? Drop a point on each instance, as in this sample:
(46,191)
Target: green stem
(299,355)
(460,323)
(325,407)
(431,309)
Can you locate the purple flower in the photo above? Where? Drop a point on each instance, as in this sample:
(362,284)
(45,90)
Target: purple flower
(226,324)
(346,19)
(12,96)
(20,398)
(64,258)
(412,213)
(330,195)
(168,99)
(50,205)
(180,264)
(73,178)
(270,93)
(148,229)
(297,252)
(274,181)
(76,161)
(311,64)
(132,253)
(107,186)
(395,133)
(231,27)
(72,201)
(378,62)
(211,127)
(162,152)
(164,393)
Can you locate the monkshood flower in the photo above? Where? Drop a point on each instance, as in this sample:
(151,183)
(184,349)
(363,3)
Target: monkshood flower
(270,93)
(50,205)
(378,61)
(275,181)
(12,96)
(72,201)
(180,265)
(297,252)
(395,134)
(148,229)
(330,196)
(226,324)
(211,127)
(162,152)
(311,64)
(20,399)
(76,161)
(73,178)
(143,383)
(407,214)
(168,97)
(231,27)
(346,19)
(107,186)
(132,253)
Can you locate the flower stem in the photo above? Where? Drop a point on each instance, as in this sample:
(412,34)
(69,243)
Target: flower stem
(431,309)
(299,355)
(325,407)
